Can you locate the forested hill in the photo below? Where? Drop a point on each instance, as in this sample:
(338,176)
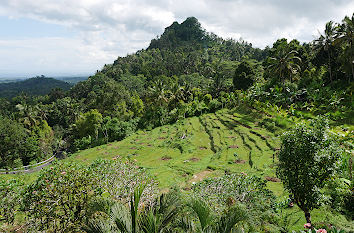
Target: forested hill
(184,49)
(32,87)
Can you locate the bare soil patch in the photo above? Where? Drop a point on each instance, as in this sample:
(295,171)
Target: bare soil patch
(240,161)
(194,159)
(116,157)
(202,148)
(233,146)
(166,158)
(200,176)
(272,179)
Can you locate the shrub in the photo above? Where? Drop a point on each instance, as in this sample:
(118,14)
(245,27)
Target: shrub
(224,192)
(10,199)
(57,200)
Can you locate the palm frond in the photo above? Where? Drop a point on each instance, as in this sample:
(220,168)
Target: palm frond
(233,216)
(203,212)
(121,217)
(97,226)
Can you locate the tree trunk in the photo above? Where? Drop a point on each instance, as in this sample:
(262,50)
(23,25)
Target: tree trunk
(351,59)
(308,217)
(351,63)
(329,66)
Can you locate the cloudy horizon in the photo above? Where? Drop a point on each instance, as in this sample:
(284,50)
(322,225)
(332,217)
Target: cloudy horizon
(64,37)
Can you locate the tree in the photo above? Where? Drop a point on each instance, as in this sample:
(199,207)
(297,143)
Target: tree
(345,38)
(307,158)
(89,124)
(284,64)
(244,76)
(325,42)
(17,146)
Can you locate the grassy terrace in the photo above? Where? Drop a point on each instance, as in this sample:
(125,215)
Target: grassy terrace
(194,148)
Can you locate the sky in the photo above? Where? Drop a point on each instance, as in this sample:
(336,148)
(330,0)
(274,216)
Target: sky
(77,37)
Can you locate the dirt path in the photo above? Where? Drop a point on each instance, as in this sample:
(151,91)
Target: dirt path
(200,176)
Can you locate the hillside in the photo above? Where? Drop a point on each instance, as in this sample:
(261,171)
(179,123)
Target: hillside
(238,141)
(211,144)
(32,87)
(193,126)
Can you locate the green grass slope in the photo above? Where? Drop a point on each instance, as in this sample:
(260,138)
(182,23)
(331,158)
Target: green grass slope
(205,146)
(188,151)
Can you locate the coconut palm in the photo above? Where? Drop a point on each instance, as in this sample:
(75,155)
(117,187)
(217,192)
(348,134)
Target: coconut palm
(345,38)
(28,115)
(285,64)
(325,42)
(159,92)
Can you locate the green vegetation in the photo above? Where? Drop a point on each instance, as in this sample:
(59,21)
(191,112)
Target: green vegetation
(306,160)
(184,137)
(31,87)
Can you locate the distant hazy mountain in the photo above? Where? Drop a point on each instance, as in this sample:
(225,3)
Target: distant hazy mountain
(72,80)
(33,86)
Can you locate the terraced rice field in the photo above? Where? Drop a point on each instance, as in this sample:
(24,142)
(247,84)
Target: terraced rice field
(197,147)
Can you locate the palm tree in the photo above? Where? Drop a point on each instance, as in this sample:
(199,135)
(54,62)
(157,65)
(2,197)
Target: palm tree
(28,115)
(122,219)
(159,93)
(208,222)
(285,63)
(325,42)
(345,38)
(137,218)
(177,94)
(163,212)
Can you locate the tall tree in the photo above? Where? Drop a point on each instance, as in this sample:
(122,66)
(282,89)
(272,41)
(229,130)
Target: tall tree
(345,38)
(285,64)
(325,42)
(244,76)
(307,158)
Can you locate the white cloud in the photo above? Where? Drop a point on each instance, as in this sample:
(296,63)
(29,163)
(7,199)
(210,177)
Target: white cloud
(50,56)
(110,28)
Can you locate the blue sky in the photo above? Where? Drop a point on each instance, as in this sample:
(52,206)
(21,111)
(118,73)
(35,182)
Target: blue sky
(65,37)
(17,28)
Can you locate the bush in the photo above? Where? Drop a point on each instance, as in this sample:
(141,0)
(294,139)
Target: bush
(10,199)
(57,200)
(224,192)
